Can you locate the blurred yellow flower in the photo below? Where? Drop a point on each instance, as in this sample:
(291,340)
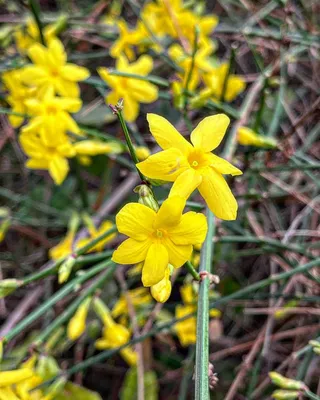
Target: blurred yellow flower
(94,233)
(77,323)
(133,91)
(27,36)
(18,94)
(187,329)
(51,70)
(248,137)
(142,152)
(126,41)
(158,238)
(64,248)
(50,115)
(51,156)
(193,166)
(138,297)
(214,82)
(95,147)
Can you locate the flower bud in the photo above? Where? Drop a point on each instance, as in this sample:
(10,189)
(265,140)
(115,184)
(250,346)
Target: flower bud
(142,152)
(47,367)
(1,350)
(77,323)
(162,290)
(66,268)
(8,286)
(8,378)
(55,388)
(102,311)
(4,226)
(285,383)
(247,137)
(285,394)
(146,197)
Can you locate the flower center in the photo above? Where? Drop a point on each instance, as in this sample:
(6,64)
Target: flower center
(195,163)
(197,159)
(51,109)
(159,233)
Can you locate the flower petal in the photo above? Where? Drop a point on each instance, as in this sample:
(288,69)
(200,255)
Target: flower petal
(58,169)
(223,166)
(186,183)
(210,132)
(135,220)
(170,212)
(74,73)
(37,163)
(33,75)
(38,54)
(56,54)
(143,66)
(166,134)
(166,165)
(218,196)
(130,108)
(131,251)
(178,254)
(192,229)
(155,265)
(144,92)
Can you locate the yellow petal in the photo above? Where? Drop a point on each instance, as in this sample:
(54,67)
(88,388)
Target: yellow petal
(223,166)
(68,104)
(166,134)
(56,54)
(170,212)
(210,132)
(186,183)
(58,169)
(92,147)
(105,75)
(38,54)
(33,75)
(178,254)
(166,165)
(131,251)
(142,91)
(75,73)
(37,163)
(67,88)
(142,66)
(8,378)
(77,323)
(192,229)
(218,196)
(135,220)
(129,355)
(155,264)
(130,108)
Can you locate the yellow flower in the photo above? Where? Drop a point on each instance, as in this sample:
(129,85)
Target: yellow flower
(50,115)
(27,36)
(187,329)
(158,238)
(95,147)
(139,297)
(77,323)
(132,91)
(18,94)
(191,167)
(162,290)
(114,335)
(125,42)
(51,70)
(63,248)
(214,81)
(8,378)
(104,227)
(247,137)
(49,156)
(199,65)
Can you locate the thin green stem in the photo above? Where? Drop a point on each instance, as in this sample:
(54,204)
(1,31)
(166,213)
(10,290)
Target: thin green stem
(81,185)
(129,142)
(35,9)
(311,395)
(218,302)
(192,270)
(202,345)
(149,78)
(69,312)
(64,291)
(193,57)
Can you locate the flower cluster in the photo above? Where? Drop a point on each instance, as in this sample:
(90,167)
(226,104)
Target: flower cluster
(46,94)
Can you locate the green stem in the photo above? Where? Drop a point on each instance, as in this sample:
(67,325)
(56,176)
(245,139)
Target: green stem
(81,185)
(64,291)
(311,395)
(150,78)
(223,300)
(129,142)
(69,312)
(192,270)
(194,52)
(202,344)
(229,71)
(35,9)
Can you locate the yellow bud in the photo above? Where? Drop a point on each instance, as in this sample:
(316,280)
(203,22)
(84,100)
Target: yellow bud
(8,286)
(8,378)
(129,355)
(247,137)
(162,290)
(215,313)
(286,394)
(279,314)
(142,152)
(77,323)
(66,268)
(84,160)
(4,226)
(102,311)
(1,350)
(285,383)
